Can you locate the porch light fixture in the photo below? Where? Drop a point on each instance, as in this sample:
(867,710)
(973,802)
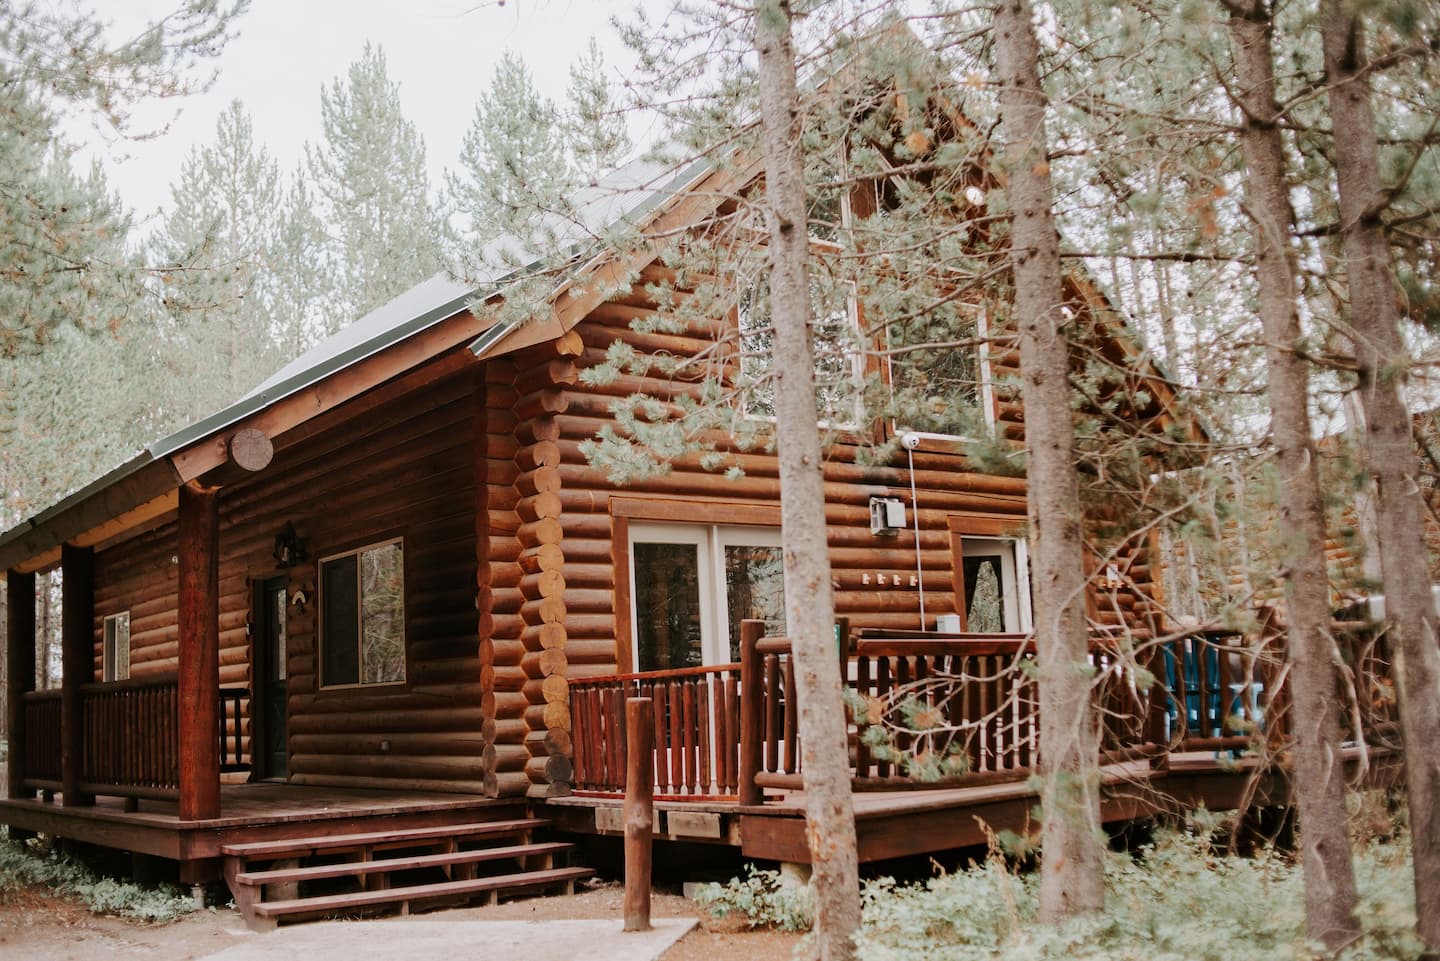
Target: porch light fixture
(289,551)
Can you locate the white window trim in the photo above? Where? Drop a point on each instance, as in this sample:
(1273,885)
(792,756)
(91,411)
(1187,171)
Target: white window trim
(710,541)
(115,660)
(320,622)
(1015,568)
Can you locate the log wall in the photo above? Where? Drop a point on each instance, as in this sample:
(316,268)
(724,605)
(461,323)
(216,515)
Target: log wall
(405,468)
(571,545)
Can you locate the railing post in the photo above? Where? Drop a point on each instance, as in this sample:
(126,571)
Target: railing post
(20,671)
(752,716)
(77,664)
(199,677)
(639,811)
(1159,707)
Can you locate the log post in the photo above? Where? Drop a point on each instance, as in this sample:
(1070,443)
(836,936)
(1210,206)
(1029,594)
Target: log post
(752,716)
(639,811)
(199,681)
(19,671)
(77,664)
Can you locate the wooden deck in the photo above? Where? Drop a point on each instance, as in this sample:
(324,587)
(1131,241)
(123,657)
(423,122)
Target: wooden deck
(893,824)
(262,811)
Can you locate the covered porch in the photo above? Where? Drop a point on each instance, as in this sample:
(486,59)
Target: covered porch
(162,737)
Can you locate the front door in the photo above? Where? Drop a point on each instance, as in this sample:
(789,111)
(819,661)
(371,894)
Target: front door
(271,759)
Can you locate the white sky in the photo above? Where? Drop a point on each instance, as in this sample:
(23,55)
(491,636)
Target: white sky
(441,52)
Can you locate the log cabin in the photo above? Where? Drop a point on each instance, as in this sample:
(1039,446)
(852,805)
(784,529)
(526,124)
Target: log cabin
(386,600)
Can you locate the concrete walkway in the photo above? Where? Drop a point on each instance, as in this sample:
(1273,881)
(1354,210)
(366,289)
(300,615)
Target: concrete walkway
(490,940)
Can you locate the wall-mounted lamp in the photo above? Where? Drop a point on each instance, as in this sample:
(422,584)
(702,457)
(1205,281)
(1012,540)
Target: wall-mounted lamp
(289,550)
(887,515)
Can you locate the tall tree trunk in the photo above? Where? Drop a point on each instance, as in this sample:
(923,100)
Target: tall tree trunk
(809,599)
(1390,450)
(1072,867)
(1318,776)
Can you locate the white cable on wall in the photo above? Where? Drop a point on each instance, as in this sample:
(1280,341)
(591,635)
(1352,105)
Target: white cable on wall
(909,441)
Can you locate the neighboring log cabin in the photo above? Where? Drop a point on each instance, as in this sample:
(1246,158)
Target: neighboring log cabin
(386,566)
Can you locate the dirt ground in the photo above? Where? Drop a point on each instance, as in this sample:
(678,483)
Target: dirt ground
(37,927)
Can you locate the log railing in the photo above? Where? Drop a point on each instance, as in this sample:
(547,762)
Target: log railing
(131,737)
(732,731)
(696,718)
(42,739)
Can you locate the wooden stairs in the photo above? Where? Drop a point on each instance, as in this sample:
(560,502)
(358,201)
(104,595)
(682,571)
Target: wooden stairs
(346,875)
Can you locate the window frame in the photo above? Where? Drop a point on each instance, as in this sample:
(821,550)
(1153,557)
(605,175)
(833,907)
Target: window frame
(628,510)
(112,666)
(998,529)
(985,389)
(320,629)
(710,541)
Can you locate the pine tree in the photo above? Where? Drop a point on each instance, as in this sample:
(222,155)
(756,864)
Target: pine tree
(1330,895)
(50,234)
(1382,363)
(594,123)
(374,195)
(513,163)
(215,253)
(302,287)
(809,598)
(1072,866)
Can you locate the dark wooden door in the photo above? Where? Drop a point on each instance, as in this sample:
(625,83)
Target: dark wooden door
(271,758)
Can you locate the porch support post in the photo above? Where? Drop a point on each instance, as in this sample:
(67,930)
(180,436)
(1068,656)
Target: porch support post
(77,664)
(199,681)
(19,671)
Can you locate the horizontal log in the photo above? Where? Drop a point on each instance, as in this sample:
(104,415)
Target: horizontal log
(445,786)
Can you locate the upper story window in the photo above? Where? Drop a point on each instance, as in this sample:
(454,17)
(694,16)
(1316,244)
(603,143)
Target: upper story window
(839,362)
(362,616)
(939,375)
(115,655)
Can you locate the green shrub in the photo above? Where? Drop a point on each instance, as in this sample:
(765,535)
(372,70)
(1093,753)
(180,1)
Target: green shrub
(1179,901)
(29,864)
(762,898)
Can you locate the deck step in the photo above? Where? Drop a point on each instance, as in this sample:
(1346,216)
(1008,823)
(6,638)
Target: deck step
(420,892)
(303,847)
(384,866)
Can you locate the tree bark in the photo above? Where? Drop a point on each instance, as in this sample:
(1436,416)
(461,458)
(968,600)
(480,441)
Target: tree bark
(1318,774)
(1072,865)
(809,598)
(1390,451)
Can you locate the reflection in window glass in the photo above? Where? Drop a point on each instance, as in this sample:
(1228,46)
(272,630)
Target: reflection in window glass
(362,616)
(936,388)
(667,606)
(382,615)
(838,374)
(985,595)
(754,588)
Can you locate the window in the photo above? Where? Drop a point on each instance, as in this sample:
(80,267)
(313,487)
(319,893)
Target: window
(692,585)
(939,378)
(993,585)
(115,658)
(991,570)
(839,364)
(362,616)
